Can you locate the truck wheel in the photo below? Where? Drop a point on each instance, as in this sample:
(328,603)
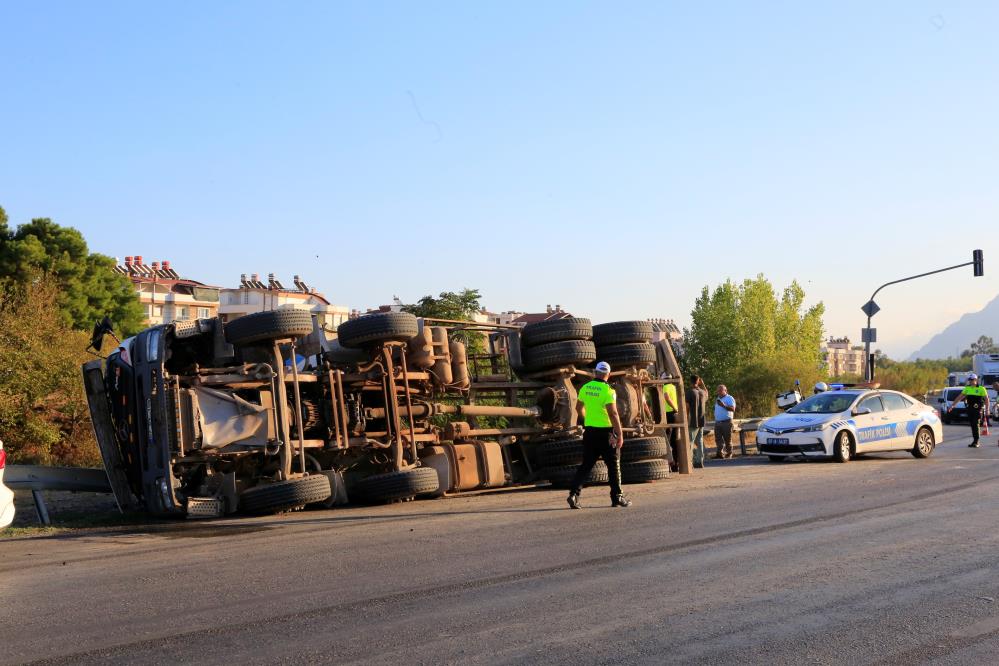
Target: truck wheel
(632,353)
(267,326)
(555,354)
(379,327)
(562,476)
(643,448)
(644,471)
(561,452)
(397,485)
(621,332)
(285,495)
(572,328)
(924,443)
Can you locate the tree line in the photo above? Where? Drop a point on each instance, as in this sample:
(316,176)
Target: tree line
(52,290)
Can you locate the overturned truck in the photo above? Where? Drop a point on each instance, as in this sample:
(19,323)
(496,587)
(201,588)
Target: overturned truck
(269,412)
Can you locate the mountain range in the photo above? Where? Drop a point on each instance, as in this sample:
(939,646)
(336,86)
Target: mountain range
(960,334)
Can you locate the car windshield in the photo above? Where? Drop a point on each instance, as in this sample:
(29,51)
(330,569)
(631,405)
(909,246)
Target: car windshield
(953,393)
(825,403)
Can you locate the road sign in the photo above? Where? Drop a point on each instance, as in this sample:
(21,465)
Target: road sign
(871,308)
(868,335)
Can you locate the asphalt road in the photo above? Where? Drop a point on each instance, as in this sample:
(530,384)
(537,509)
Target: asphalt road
(887,559)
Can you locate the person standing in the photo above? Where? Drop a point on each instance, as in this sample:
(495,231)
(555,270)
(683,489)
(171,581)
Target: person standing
(976,398)
(672,414)
(602,436)
(696,396)
(724,411)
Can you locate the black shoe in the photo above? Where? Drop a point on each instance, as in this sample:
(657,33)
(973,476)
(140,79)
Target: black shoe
(621,501)
(573,501)
(974,445)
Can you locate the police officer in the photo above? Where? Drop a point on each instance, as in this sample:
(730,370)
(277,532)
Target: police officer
(602,435)
(976,398)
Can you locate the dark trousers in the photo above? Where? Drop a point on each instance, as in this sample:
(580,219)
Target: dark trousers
(596,444)
(673,438)
(974,419)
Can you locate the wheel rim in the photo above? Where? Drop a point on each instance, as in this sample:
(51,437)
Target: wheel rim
(925,442)
(844,446)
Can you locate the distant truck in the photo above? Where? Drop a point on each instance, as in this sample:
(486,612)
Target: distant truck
(957,378)
(986,366)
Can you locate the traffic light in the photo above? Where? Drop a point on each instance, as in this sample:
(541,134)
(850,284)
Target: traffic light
(976,258)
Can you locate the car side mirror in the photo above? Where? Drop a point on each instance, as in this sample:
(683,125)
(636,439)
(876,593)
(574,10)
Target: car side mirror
(860,411)
(940,400)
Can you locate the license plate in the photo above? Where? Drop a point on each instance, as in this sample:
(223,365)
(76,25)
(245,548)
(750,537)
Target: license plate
(778,440)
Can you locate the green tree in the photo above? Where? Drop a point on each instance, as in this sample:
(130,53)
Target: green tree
(44,416)
(757,343)
(87,288)
(984,345)
(456,306)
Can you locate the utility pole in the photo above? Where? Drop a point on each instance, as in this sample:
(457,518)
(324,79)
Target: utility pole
(870,308)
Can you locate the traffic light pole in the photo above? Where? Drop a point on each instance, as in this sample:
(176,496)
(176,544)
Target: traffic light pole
(871,308)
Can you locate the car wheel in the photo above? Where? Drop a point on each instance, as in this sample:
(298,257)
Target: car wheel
(842,447)
(924,443)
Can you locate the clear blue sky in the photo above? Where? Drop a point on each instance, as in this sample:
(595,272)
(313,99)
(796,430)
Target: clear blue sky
(610,157)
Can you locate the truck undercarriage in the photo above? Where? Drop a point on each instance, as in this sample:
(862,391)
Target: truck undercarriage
(269,413)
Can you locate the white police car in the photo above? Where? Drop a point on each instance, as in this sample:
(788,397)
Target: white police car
(845,422)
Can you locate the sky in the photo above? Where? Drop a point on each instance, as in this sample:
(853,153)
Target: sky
(614,158)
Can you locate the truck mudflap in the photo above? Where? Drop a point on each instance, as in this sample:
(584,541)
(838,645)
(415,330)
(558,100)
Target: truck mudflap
(100,416)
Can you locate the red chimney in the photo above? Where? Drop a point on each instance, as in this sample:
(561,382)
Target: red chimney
(138,259)
(156,265)
(128,261)
(166,265)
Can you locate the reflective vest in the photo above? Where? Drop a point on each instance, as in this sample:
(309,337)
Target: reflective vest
(595,396)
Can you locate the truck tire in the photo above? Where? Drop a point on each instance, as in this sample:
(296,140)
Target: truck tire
(562,476)
(555,354)
(396,485)
(561,452)
(632,353)
(644,471)
(643,448)
(622,332)
(267,326)
(375,328)
(572,328)
(285,495)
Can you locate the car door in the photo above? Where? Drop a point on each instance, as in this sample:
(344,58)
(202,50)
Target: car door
(900,412)
(873,430)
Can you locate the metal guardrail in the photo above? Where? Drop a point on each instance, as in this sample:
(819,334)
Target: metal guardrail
(37,478)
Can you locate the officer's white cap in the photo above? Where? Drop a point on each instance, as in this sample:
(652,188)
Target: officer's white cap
(972,376)
(603,367)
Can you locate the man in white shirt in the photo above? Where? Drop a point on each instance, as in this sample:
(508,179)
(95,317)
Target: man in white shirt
(724,411)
